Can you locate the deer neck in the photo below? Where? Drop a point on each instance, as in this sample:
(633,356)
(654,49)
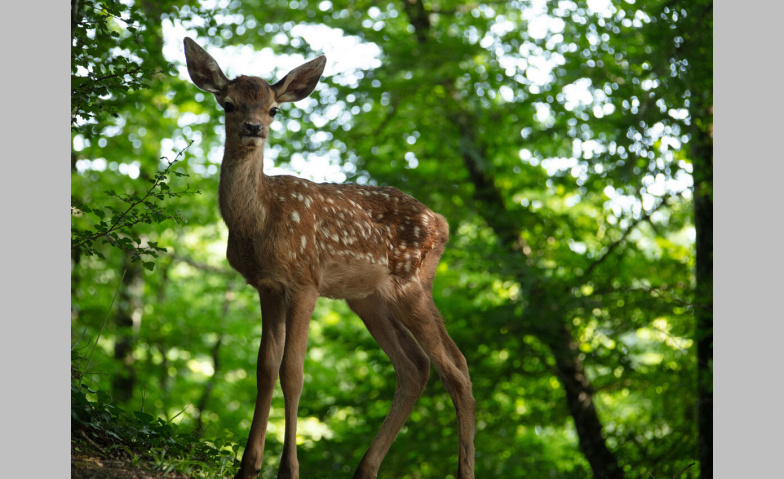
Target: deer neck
(241,190)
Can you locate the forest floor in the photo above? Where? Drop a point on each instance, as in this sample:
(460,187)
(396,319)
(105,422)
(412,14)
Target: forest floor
(110,442)
(90,460)
(85,467)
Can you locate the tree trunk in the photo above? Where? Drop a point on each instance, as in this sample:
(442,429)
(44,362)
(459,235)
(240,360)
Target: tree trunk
(543,310)
(702,151)
(76,253)
(75,18)
(579,398)
(698,49)
(127,320)
(202,405)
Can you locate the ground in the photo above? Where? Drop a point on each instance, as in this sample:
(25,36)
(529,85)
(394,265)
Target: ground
(95,455)
(86,467)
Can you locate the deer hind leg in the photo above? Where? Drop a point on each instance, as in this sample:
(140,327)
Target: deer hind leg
(419,314)
(273,333)
(412,369)
(299,311)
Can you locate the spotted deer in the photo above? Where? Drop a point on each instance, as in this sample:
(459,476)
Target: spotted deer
(295,240)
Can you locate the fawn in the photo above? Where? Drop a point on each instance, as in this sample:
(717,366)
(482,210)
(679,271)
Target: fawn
(295,240)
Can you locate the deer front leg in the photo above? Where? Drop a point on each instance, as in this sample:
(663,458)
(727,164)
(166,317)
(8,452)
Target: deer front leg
(273,334)
(300,308)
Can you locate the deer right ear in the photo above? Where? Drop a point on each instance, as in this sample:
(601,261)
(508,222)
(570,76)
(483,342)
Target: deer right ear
(203,69)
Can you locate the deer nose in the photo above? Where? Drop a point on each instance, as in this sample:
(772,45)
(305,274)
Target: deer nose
(251,128)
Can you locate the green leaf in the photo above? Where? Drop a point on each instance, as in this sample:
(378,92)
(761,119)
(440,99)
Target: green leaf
(144,417)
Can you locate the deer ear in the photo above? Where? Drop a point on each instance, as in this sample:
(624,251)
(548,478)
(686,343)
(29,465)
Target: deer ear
(300,82)
(203,69)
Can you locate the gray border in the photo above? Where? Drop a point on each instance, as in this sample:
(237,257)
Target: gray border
(747,244)
(35,195)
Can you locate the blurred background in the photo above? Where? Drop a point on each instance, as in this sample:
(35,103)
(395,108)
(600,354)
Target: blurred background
(568,144)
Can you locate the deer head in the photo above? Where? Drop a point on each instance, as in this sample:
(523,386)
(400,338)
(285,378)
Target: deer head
(249,102)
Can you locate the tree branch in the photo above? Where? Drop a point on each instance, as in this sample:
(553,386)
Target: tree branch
(116,225)
(106,77)
(418,18)
(199,265)
(592,267)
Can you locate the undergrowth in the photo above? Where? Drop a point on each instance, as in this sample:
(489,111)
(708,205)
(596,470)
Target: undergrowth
(100,428)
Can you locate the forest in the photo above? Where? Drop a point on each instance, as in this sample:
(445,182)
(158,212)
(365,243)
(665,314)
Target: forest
(569,145)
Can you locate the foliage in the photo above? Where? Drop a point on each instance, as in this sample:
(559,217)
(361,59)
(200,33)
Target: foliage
(100,427)
(554,137)
(106,60)
(113,69)
(115,229)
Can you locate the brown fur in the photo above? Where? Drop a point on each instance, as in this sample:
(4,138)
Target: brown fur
(295,240)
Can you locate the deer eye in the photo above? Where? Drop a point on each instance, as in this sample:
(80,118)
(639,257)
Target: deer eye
(228,107)
(274,111)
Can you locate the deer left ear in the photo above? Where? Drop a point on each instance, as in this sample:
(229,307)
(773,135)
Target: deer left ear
(300,82)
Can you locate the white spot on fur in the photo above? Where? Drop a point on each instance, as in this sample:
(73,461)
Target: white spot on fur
(295,216)
(263,213)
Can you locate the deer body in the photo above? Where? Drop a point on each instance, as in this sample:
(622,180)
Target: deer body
(331,236)
(295,240)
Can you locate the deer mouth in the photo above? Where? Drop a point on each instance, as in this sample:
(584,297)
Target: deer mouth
(252,140)
(253,135)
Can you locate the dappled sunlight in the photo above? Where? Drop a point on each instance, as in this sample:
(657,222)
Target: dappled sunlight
(202,366)
(311,430)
